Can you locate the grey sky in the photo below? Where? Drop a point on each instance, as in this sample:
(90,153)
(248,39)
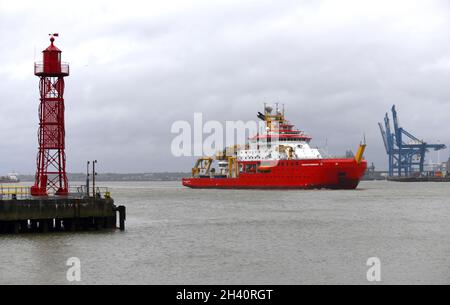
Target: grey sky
(137,66)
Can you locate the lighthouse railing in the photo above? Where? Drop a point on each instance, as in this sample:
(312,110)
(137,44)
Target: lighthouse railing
(41,68)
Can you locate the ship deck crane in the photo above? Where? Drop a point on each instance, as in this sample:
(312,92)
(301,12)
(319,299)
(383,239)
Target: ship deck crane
(406,152)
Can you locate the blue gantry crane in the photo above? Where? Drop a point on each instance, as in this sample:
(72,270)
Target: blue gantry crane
(406,152)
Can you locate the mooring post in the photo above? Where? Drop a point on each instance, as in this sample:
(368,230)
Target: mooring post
(24,226)
(58,225)
(15,227)
(33,225)
(122,217)
(43,225)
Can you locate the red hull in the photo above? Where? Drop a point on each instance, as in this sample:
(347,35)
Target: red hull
(292,174)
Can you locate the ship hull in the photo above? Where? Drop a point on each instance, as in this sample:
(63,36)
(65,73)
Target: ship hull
(291,174)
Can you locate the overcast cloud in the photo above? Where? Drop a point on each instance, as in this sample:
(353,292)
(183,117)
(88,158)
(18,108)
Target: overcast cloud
(137,66)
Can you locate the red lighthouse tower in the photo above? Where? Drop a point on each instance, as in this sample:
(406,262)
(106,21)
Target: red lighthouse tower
(51,161)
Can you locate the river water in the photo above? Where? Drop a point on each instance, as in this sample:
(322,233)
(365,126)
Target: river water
(177,235)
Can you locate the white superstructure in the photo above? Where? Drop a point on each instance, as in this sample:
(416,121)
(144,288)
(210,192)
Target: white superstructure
(280,141)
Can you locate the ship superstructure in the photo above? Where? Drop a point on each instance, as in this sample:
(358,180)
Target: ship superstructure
(280,142)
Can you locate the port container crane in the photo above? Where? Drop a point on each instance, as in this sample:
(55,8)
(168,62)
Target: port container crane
(406,152)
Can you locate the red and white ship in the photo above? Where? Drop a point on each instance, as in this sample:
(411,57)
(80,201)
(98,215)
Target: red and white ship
(279,158)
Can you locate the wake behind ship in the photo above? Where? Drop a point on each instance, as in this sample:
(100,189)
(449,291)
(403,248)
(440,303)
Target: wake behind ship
(279,158)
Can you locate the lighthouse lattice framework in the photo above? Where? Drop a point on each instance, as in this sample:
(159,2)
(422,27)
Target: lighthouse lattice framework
(51,174)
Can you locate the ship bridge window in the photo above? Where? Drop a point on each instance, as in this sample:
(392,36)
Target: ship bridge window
(250,168)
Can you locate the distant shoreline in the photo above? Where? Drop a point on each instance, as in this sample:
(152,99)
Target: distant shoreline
(119,177)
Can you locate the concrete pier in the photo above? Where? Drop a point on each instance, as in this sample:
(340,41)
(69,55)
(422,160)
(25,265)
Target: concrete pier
(53,214)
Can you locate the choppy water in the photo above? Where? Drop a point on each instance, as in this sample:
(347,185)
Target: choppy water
(181,236)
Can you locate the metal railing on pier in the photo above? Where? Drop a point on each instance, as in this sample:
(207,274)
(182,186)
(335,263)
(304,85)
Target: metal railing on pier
(81,191)
(14,192)
(8,192)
